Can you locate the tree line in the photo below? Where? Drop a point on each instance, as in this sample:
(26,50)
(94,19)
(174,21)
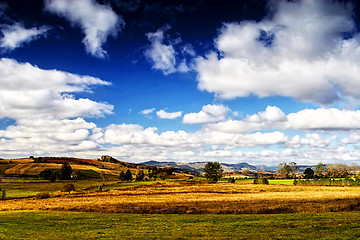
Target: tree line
(336,170)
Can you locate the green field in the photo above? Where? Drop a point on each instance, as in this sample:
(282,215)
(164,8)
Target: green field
(271,181)
(26,188)
(75,225)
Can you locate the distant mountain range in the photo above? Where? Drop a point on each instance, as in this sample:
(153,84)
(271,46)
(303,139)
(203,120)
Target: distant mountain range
(198,167)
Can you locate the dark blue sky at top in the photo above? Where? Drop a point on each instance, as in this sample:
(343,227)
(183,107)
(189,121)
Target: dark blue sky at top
(135,86)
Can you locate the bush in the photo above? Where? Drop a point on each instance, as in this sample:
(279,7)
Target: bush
(3,193)
(163,175)
(140,176)
(231,180)
(43,195)
(261,181)
(69,187)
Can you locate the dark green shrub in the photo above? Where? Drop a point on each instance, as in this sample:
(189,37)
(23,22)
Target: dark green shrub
(140,176)
(43,195)
(3,193)
(231,180)
(69,187)
(261,181)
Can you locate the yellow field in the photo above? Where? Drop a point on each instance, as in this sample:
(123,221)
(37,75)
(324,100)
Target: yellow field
(33,169)
(201,198)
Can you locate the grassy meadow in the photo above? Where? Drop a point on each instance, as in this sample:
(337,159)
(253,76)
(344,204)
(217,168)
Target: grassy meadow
(80,225)
(101,207)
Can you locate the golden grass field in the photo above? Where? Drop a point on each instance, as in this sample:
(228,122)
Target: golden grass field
(224,198)
(34,169)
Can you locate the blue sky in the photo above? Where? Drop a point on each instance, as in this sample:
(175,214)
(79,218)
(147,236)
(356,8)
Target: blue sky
(263,82)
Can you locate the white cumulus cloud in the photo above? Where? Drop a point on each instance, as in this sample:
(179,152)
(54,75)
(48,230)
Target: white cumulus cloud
(168,115)
(16,35)
(42,137)
(321,119)
(298,51)
(30,92)
(163,55)
(147,111)
(208,114)
(96,21)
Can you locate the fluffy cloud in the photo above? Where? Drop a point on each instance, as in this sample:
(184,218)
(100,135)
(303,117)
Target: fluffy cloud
(28,91)
(299,51)
(331,119)
(16,35)
(96,21)
(47,115)
(312,140)
(166,115)
(132,134)
(46,137)
(136,134)
(208,114)
(162,53)
(147,111)
(321,119)
(230,140)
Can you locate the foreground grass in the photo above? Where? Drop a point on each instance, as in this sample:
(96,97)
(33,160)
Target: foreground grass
(75,225)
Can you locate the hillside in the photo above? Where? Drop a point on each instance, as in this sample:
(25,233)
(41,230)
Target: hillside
(86,167)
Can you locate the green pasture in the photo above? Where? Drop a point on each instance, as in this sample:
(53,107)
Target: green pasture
(76,225)
(281,181)
(28,188)
(271,181)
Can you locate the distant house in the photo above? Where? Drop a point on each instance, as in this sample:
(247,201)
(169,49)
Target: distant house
(74,175)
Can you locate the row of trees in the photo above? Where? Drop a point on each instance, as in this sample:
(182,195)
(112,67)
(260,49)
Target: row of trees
(152,174)
(337,170)
(287,170)
(64,173)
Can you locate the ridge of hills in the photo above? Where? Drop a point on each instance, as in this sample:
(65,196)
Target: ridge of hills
(88,167)
(198,167)
(111,166)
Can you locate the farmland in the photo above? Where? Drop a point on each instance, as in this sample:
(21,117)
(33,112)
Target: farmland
(186,197)
(105,207)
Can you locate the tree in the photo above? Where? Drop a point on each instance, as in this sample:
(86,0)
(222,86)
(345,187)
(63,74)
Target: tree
(163,175)
(48,174)
(293,169)
(261,181)
(3,193)
(287,170)
(344,173)
(128,175)
(69,187)
(152,173)
(284,170)
(140,176)
(122,176)
(65,171)
(309,173)
(231,180)
(261,170)
(213,171)
(319,169)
